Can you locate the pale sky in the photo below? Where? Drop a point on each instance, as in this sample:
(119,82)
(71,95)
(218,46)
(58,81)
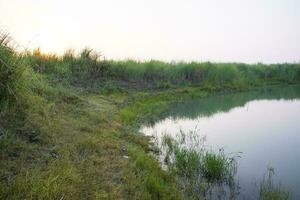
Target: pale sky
(191,30)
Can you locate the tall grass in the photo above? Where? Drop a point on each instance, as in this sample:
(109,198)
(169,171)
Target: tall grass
(159,74)
(13,89)
(201,173)
(10,73)
(270,191)
(84,69)
(90,69)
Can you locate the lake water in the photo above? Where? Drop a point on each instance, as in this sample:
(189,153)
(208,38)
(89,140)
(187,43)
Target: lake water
(264,125)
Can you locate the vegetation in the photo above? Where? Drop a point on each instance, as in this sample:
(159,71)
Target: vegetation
(219,75)
(220,102)
(68,124)
(89,69)
(202,174)
(270,191)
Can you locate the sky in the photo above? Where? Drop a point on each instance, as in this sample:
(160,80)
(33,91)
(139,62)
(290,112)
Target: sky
(247,31)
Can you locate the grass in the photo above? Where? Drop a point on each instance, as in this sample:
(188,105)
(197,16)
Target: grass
(232,75)
(68,124)
(72,159)
(90,70)
(201,174)
(270,191)
(12,82)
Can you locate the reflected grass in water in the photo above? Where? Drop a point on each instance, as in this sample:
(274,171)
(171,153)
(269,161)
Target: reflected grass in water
(208,106)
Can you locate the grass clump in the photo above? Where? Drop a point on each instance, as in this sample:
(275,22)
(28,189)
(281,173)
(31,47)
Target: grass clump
(270,191)
(200,173)
(217,167)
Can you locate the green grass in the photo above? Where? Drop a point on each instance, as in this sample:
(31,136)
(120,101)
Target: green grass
(270,191)
(144,178)
(202,174)
(89,70)
(12,83)
(157,74)
(68,124)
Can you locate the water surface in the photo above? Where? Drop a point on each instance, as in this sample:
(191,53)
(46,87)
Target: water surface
(264,125)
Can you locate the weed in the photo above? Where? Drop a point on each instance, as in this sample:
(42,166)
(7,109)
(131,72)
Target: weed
(199,171)
(270,191)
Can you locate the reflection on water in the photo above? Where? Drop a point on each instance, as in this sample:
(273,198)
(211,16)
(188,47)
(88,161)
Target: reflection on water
(264,125)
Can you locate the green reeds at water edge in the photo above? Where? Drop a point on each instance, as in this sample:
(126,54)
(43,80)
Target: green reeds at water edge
(204,174)
(269,190)
(201,173)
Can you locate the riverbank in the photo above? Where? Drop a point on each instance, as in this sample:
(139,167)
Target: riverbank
(69,125)
(88,146)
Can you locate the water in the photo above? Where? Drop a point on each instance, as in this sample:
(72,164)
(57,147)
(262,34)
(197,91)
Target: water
(264,125)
